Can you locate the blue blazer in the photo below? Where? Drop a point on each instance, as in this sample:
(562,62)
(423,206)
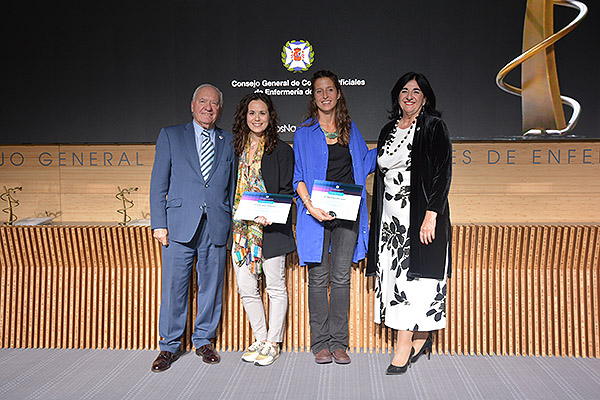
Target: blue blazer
(179,195)
(311,158)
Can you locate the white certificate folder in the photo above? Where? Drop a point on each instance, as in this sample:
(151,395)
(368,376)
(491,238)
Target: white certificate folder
(341,200)
(274,207)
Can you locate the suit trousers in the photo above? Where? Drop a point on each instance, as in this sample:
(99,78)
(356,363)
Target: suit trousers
(177,266)
(274,272)
(329,314)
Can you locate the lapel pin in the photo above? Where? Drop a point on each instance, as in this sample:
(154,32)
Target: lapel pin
(220,137)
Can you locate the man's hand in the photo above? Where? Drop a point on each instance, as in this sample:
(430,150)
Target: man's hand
(162,235)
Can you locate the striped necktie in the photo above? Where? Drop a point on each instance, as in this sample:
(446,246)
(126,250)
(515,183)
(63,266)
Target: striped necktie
(207,154)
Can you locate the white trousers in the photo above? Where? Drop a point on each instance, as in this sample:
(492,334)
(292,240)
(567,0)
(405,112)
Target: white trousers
(274,272)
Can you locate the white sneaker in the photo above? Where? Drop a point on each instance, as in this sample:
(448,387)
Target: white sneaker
(268,354)
(253,351)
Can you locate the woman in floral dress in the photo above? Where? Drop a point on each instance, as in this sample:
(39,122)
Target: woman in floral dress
(409,247)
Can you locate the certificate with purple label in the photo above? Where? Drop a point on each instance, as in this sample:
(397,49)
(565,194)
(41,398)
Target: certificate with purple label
(274,207)
(341,200)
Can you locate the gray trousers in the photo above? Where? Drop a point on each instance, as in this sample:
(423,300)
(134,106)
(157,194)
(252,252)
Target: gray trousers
(274,272)
(329,314)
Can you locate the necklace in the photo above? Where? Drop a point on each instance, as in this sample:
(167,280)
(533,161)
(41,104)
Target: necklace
(409,131)
(409,124)
(254,143)
(330,135)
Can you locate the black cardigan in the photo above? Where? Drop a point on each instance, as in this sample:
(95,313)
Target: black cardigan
(430,176)
(277,171)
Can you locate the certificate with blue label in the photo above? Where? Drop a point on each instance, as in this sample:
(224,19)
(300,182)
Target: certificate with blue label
(274,207)
(341,200)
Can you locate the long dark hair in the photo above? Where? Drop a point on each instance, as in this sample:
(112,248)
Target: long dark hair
(343,122)
(425,87)
(241,130)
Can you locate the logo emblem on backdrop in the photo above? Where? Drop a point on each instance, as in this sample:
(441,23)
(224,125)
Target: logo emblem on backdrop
(297,55)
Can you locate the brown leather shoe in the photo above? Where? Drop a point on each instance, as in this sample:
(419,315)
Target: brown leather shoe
(341,357)
(323,357)
(208,354)
(164,360)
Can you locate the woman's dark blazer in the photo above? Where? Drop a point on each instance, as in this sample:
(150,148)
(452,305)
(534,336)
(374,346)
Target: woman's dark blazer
(277,171)
(430,175)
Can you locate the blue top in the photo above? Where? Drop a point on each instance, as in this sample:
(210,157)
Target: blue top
(312,154)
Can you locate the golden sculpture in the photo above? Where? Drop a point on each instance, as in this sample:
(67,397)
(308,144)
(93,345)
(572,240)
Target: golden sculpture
(540,94)
(127,204)
(12,203)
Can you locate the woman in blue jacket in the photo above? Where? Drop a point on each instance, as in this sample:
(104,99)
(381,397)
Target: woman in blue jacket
(328,146)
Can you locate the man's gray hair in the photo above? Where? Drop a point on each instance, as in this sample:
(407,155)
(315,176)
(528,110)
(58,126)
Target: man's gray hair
(212,86)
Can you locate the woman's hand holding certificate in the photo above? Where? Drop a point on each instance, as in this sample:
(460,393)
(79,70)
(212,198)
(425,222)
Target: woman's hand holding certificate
(341,200)
(274,208)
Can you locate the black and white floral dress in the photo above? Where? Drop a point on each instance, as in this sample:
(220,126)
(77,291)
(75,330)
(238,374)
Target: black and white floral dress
(418,304)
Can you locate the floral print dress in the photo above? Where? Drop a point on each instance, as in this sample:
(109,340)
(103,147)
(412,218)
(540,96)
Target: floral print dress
(412,305)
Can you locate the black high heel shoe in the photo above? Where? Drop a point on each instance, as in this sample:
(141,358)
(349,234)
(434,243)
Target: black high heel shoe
(395,370)
(425,349)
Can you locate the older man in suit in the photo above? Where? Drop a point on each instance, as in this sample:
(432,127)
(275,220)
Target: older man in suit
(191,195)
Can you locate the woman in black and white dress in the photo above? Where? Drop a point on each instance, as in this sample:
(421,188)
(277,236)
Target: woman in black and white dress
(409,250)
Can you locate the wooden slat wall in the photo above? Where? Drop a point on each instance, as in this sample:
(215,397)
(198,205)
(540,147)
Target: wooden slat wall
(79,287)
(515,290)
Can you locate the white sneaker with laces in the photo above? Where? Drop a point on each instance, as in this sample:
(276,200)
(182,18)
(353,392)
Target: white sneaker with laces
(268,354)
(253,351)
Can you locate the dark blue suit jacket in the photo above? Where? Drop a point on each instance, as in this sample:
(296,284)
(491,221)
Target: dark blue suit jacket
(179,195)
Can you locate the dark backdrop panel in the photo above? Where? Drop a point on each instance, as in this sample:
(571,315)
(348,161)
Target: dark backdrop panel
(116,73)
